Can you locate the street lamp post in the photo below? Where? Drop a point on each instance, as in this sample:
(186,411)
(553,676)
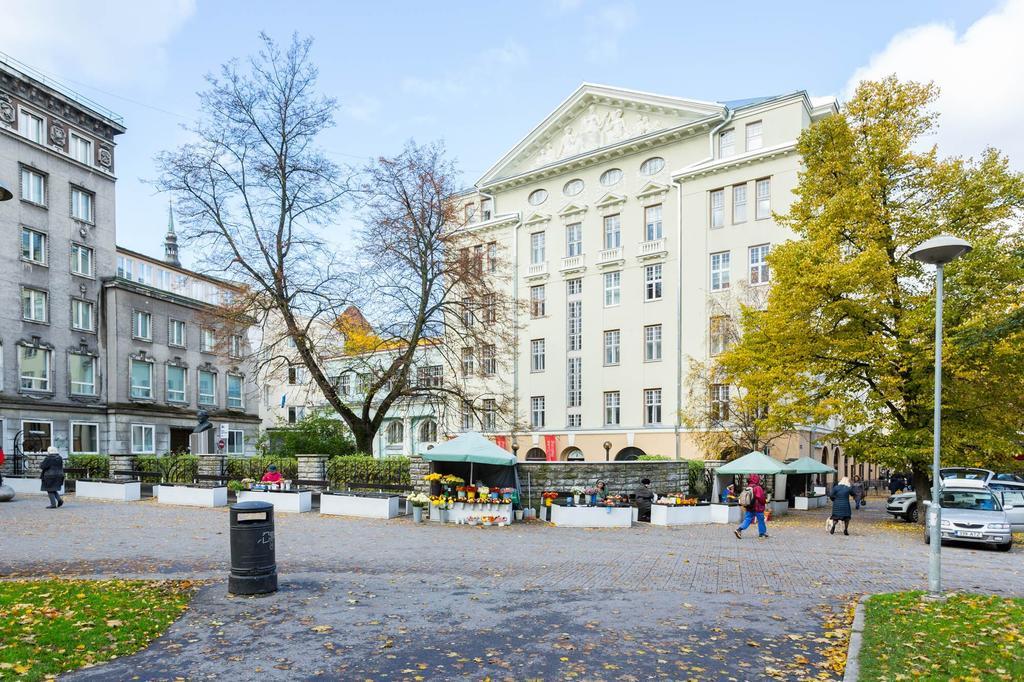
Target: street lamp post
(937,251)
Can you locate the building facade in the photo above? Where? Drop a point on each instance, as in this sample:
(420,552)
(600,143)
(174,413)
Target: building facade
(629,222)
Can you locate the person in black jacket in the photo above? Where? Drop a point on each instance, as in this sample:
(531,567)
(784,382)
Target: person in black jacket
(644,499)
(51,471)
(841,510)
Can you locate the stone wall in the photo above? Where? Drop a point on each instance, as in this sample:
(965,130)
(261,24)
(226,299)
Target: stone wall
(312,467)
(213,465)
(121,463)
(621,477)
(418,468)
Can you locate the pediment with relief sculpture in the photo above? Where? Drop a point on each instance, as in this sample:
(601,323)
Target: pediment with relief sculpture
(597,117)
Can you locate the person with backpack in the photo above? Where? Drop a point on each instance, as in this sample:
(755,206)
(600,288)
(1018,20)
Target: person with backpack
(753,500)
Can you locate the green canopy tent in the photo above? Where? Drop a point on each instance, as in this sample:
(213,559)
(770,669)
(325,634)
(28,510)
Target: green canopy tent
(808,466)
(753,463)
(481,455)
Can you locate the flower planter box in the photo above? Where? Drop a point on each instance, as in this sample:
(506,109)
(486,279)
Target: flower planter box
(26,486)
(819,490)
(283,500)
(128,491)
(191,495)
(804,503)
(462,515)
(365,506)
(726,513)
(780,507)
(664,515)
(592,517)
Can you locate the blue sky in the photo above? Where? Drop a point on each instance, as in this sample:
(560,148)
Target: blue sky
(481,77)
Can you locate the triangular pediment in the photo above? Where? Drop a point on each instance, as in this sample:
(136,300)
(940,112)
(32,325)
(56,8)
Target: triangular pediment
(597,117)
(651,189)
(571,210)
(536,218)
(610,199)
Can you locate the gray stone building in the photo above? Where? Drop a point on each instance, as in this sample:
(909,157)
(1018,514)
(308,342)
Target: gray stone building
(102,350)
(57,156)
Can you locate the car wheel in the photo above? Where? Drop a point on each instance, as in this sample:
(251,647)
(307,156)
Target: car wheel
(1005,547)
(927,537)
(912,516)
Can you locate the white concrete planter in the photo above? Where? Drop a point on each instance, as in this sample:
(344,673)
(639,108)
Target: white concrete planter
(26,486)
(802,503)
(191,496)
(478,510)
(592,517)
(129,491)
(819,490)
(283,500)
(726,513)
(357,505)
(779,508)
(664,515)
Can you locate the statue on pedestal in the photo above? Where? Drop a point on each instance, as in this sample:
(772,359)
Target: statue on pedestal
(201,440)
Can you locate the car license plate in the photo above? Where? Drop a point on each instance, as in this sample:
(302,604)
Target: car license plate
(970,534)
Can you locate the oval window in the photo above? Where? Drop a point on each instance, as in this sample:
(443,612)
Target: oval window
(538,197)
(573,187)
(611,177)
(652,165)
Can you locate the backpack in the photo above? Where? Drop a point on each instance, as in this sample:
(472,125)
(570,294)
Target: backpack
(746,498)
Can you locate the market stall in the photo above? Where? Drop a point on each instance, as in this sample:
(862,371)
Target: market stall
(473,482)
(773,473)
(799,489)
(679,510)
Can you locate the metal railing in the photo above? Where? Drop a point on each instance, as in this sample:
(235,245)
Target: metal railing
(37,75)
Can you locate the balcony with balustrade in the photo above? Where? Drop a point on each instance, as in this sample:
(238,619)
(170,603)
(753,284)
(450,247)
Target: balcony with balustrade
(537,270)
(610,257)
(652,249)
(573,264)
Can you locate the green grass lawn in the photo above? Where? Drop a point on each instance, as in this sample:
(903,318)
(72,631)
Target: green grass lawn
(51,626)
(967,637)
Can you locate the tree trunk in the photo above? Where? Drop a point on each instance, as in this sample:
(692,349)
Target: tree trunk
(363,434)
(921,474)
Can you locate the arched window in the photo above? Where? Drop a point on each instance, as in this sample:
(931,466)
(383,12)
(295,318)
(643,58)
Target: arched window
(628,454)
(428,431)
(395,433)
(535,455)
(572,455)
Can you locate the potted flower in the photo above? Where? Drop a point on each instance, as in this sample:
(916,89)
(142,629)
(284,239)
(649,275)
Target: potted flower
(576,491)
(549,497)
(591,493)
(470,492)
(418,502)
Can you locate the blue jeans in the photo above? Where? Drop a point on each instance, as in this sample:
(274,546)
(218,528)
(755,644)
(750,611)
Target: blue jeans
(749,519)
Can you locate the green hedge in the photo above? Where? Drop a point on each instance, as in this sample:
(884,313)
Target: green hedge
(172,468)
(98,466)
(367,469)
(254,467)
(653,458)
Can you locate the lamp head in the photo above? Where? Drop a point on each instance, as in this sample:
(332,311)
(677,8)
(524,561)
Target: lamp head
(5,194)
(940,250)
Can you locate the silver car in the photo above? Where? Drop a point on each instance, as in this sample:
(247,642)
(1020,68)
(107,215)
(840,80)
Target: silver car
(1013,505)
(971,513)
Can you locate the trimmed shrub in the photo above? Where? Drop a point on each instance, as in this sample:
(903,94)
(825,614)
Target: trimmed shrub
(254,467)
(317,434)
(653,458)
(698,484)
(98,466)
(172,468)
(367,469)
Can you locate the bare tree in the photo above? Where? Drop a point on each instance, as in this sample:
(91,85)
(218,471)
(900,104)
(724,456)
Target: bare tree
(259,199)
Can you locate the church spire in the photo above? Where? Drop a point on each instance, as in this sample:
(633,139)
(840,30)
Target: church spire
(171,239)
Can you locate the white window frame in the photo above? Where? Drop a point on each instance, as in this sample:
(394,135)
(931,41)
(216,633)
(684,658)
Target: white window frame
(83,205)
(71,378)
(142,325)
(77,306)
(612,288)
(172,337)
(235,346)
(718,332)
(716,206)
(653,222)
(574,325)
(71,444)
(237,447)
(754,135)
(612,347)
(574,381)
(468,362)
(538,359)
(45,382)
(720,265)
(199,388)
(48,422)
(653,283)
(36,297)
(428,431)
(184,383)
(652,343)
(38,246)
(758,264)
(31,181)
(395,433)
(719,396)
(207,340)
(537,247)
(82,255)
(612,408)
(739,204)
(652,406)
(727,143)
(573,240)
(489,359)
(490,418)
(763,194)
(131,379)
(538,295)
(492,256)
(612,231)
(240,404)
(80,148)
(652,166)
(537,412)
(138,432)
(37,133)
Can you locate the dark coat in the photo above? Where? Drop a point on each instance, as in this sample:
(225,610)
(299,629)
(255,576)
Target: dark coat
(644,499)
(841,502)
(51,471)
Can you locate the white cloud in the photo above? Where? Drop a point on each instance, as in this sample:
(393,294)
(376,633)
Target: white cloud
(604,29)
(112,42)
(980,72)
(361,107)
(474,76)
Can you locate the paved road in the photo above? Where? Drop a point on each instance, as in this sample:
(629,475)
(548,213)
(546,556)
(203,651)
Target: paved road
(392,601)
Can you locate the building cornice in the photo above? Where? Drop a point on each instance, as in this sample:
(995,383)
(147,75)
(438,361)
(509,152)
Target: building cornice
(733,162)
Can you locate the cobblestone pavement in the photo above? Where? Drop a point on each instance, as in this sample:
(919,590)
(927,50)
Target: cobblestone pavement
(389,600)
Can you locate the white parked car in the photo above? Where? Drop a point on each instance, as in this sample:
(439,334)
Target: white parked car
(904,505)
(971,513)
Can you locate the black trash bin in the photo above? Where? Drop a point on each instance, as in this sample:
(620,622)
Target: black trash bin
(253,562)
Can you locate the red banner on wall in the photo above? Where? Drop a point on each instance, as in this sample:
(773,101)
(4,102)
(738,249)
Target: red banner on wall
(550,448)
(500,442)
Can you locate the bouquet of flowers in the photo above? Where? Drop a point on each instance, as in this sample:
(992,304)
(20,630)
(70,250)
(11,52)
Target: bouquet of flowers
(432,477)
(451,479)
(577,490)
(483,491)
(419,499)
(590,490)
(470,491)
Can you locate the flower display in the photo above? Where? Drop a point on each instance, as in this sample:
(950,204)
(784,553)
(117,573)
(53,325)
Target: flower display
(432,477)
(591,490)
(577,490)
(419,499)
(452,479)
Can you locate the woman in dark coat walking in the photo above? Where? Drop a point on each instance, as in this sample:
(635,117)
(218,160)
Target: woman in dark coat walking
(51,471)
(841,511)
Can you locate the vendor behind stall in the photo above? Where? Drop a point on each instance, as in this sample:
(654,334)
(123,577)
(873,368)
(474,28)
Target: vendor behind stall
(602,491)
(272,475)
(644,499)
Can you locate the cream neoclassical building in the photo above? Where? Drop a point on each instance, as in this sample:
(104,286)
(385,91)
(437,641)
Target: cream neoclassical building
(626,219)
